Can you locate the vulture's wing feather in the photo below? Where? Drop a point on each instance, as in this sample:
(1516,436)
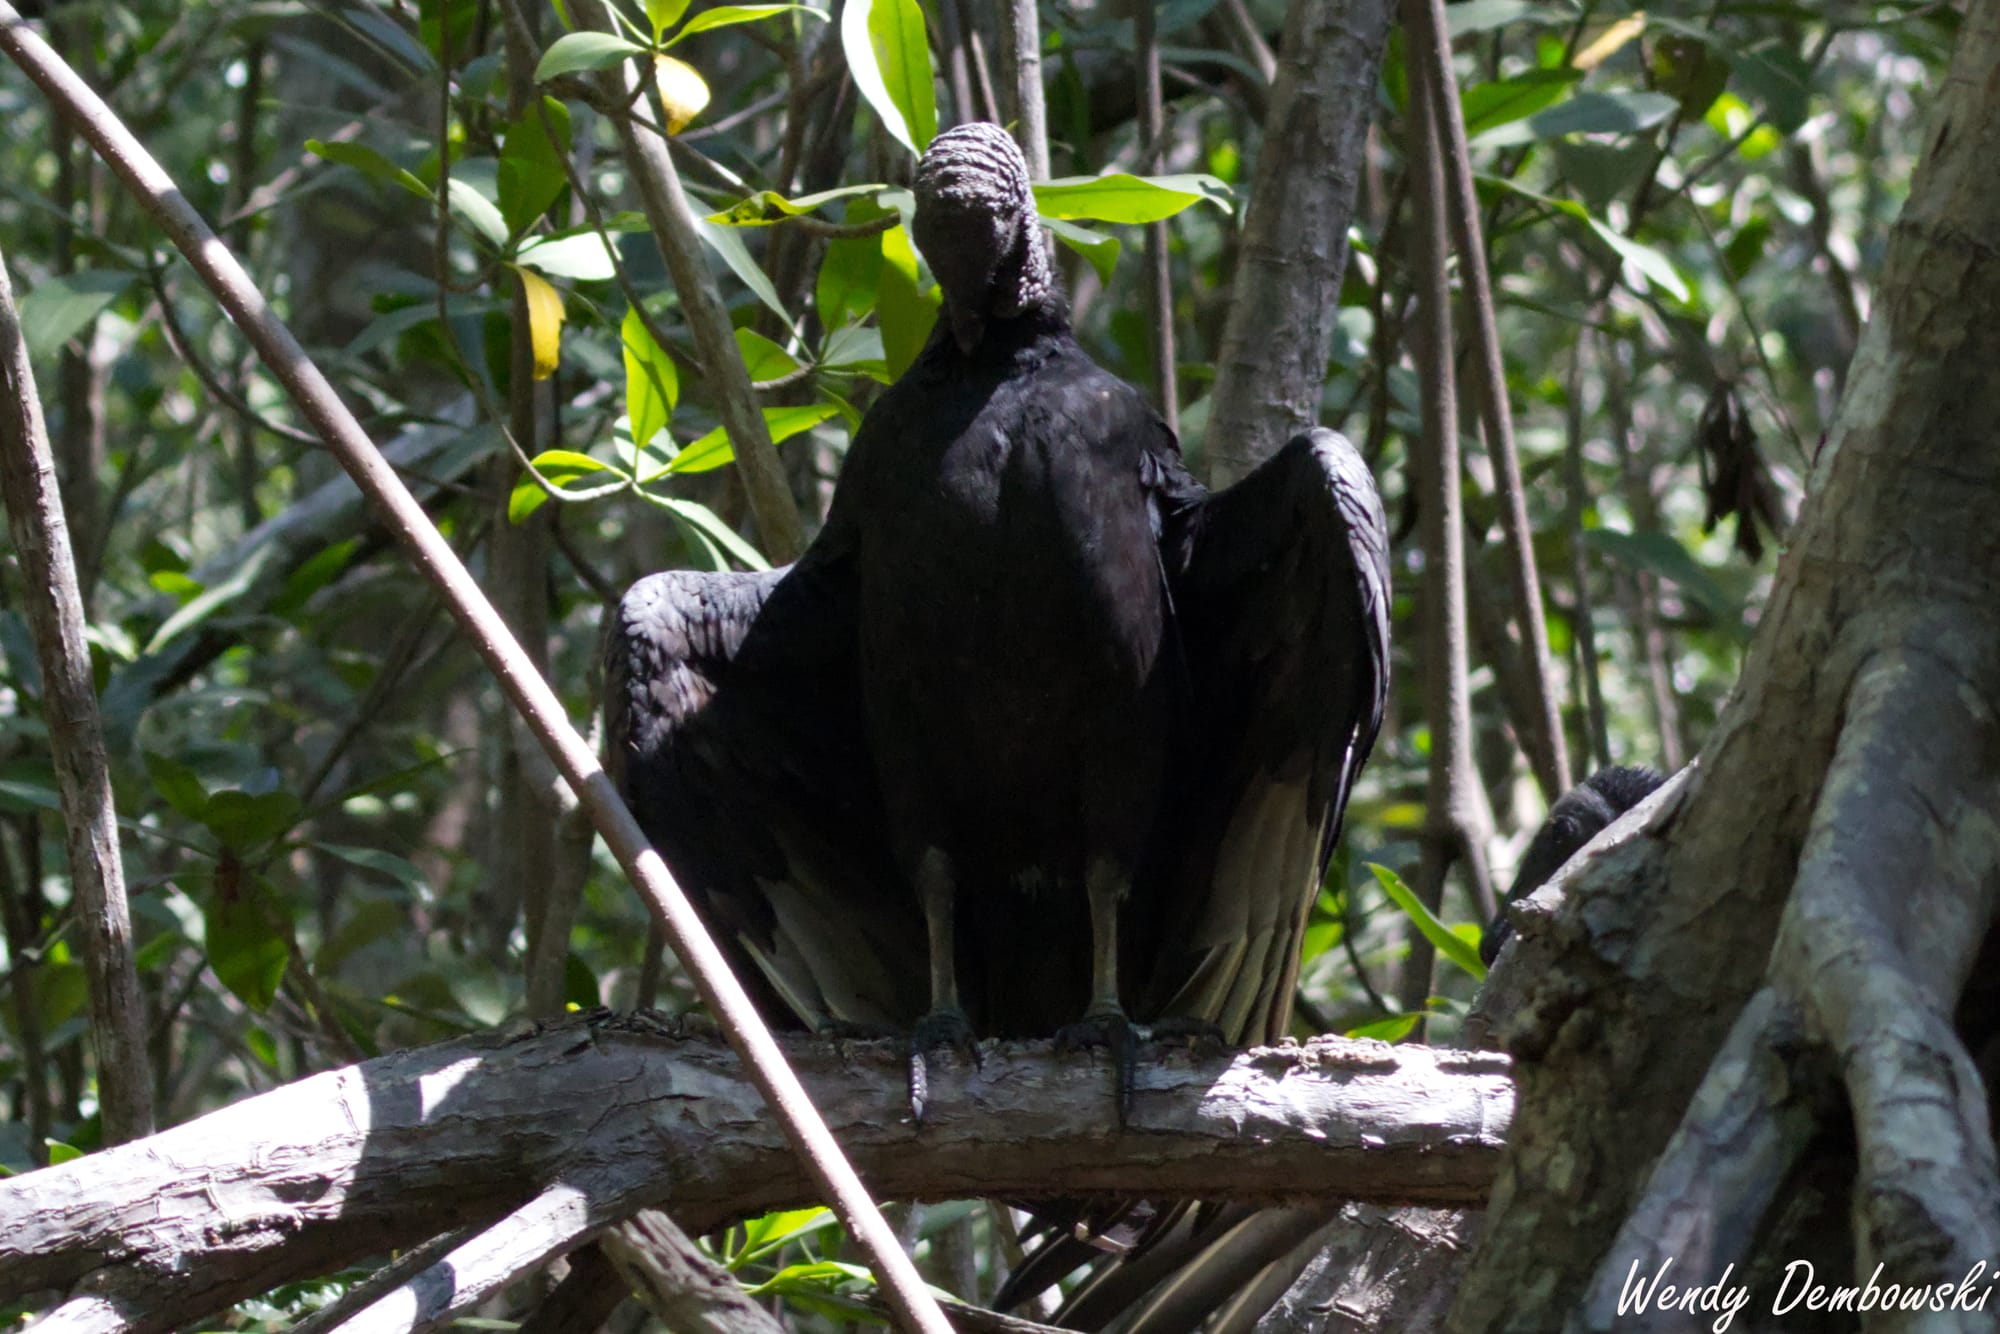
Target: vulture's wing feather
(1281,593)
(733,726)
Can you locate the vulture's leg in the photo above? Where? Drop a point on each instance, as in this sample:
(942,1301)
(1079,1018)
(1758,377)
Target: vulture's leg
(946,1025)
(1104,1023)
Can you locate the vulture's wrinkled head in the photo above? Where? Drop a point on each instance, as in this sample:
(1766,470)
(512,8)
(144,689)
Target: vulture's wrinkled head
(976,225)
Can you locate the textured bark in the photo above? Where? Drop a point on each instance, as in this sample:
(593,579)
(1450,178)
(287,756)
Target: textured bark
(626,1113)
(76,740)
(1294,249)
(1791,932)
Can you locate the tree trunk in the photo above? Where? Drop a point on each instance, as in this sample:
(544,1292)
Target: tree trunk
(1739,1049)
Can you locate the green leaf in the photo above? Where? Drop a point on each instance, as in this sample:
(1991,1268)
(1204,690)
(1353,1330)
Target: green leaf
(1502,101)
(60,1152)
(764,359)
(713,450)
(729,245)
(320,569)
(1485,15)
(705,521)
(176,783)
(60,308)
(478,212)
(907,311)
(652,385)
(664,14)
(213,598)
(244,820)
(558,467)
(761,1236)
(369,163)
(816,1276)
(398,869)
(1657,267)
(1447,942)
(247,940)
(1659,554)
(850,272)
(723,16)
(768,206)
(1586,113)
(575,52)
(585,257)
(1393,1029)
(1119,197)
(1099,249)
(531,167)
(889,55)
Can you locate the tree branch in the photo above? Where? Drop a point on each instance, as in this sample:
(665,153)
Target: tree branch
(632,1112)
(1294,248)
(76,739)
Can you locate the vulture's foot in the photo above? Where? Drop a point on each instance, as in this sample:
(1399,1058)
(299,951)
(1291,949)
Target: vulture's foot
(946,1027)
(1202,1036)
(1110,1029)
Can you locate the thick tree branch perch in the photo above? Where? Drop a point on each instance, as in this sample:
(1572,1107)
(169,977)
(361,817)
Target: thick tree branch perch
(627,1113)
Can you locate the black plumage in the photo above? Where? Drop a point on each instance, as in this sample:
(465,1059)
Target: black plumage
(1046,737)
(1579,815)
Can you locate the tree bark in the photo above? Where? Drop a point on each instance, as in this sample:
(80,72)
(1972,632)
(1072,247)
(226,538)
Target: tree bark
(1294,250)
(1781,952)
(76,740)
(630,1112)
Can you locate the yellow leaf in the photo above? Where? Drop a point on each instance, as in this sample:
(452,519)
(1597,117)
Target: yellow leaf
(682,92)
(1606,43)
(545,321)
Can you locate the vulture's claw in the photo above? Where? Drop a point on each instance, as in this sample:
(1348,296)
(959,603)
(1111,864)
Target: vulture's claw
(939,1029)
(1111,1030)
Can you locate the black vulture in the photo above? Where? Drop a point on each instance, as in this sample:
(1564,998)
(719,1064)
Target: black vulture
(1038,737)
(1579,815)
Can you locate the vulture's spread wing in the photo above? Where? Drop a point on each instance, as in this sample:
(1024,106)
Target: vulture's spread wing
(1281,593)
(733,726)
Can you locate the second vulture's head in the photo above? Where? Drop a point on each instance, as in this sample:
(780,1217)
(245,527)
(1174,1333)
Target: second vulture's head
(976,225)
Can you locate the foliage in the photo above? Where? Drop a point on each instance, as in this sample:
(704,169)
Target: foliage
(318,792)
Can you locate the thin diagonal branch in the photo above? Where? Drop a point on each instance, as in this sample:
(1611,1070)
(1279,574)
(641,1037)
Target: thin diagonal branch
(529,693)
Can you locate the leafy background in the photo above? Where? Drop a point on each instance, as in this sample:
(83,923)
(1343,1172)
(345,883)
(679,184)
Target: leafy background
(321,798)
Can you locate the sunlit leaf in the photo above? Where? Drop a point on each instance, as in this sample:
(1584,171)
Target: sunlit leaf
(1657,268)
(1118,197)
(664,14)
(1101,250)
(1499,101)
(1447,942)
(478,212)
(578,51)
(705,520)
(906,311)
(714,450)
(683,92)
(585,257)
(652,384)
(545,321)
(1393,1029)
(729,245)
(723,16)
(889,56)
(768,206)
